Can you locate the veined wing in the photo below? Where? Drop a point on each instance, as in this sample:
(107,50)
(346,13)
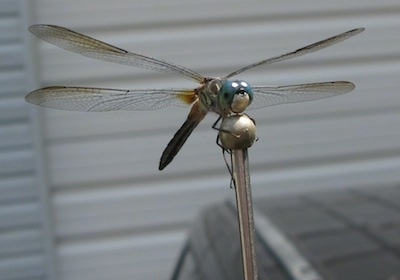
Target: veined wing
(268,96)
(302,51)
(78,43)
(102,99)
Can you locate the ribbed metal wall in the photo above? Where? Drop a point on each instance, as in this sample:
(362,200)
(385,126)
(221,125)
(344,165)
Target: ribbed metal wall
(25,238)
(115,215)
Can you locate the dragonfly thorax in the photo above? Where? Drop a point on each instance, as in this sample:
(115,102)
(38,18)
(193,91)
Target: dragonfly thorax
(235,96)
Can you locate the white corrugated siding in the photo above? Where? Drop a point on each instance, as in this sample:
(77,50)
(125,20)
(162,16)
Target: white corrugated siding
(25,239)
(114,214)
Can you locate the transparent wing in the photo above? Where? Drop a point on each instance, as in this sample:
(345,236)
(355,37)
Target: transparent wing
(103,99)
(268,96)
(302,51)
(78,43)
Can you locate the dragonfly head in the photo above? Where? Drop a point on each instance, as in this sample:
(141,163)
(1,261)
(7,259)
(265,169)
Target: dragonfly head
(235,95)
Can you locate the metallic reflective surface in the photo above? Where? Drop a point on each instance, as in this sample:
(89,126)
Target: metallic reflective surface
(237,132)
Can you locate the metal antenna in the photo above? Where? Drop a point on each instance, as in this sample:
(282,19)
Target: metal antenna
(237,133)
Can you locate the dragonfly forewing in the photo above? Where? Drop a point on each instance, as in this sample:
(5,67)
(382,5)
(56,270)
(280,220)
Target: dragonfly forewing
(81,44)
(302,51)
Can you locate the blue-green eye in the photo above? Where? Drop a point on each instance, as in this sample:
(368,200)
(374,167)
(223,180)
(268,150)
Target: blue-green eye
(235,95)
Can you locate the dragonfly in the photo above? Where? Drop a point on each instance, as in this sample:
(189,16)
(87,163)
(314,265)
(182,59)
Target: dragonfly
(222,95)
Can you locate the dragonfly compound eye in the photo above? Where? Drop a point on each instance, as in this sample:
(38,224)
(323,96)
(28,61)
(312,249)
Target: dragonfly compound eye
(236,95)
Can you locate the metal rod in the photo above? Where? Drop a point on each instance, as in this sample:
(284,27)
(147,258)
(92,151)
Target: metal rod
(241,176)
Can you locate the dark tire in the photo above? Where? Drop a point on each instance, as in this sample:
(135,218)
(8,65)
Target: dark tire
(347,234)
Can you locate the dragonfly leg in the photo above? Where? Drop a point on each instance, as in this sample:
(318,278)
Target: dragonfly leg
(225,151)
(228,152)
(253,120)
(232,183)
(214,126)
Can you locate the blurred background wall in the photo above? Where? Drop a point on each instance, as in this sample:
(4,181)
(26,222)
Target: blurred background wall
(81,196)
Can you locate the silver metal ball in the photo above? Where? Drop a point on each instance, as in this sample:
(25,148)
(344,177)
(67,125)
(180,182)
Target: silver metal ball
(242,132)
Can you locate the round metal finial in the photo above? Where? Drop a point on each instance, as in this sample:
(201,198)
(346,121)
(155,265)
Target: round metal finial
(237,132)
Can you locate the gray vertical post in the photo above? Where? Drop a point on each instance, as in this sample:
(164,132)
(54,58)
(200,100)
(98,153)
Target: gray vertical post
(241,175)
(237,134)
